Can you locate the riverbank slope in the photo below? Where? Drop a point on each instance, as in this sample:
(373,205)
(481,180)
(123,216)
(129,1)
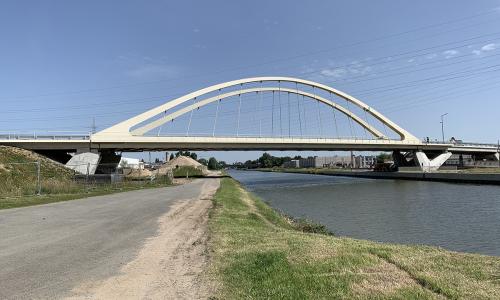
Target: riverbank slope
(472,176)
(257,253)
(20,181)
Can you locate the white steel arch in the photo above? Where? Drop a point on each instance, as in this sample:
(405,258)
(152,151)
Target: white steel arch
(154,124)
(123,129)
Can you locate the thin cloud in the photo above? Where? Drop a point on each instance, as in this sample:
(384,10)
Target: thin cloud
(450,53)
(486,48)
(335,73)
(489,47)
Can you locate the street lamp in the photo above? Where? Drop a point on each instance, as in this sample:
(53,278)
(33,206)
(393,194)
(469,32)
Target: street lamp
(442,125)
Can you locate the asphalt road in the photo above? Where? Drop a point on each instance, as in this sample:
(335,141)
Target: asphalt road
(47,250)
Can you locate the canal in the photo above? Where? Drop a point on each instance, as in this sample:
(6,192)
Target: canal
(459,217)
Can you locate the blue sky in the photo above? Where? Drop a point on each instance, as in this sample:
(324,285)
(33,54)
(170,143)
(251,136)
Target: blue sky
(66,62)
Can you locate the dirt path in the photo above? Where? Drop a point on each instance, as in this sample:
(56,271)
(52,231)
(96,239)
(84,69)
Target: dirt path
(169,266)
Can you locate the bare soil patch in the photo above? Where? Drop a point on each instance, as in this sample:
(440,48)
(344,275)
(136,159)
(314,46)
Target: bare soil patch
(171,264)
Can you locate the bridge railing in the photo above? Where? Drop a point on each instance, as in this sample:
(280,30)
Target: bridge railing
(46,135)
(465,144)
(469,144)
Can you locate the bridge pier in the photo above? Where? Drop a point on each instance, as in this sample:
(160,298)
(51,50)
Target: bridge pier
(94,162)
(430,165)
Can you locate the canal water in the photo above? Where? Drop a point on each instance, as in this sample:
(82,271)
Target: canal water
(459,217)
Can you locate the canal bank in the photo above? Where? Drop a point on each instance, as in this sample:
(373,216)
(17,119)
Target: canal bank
(452,177)
(260,254)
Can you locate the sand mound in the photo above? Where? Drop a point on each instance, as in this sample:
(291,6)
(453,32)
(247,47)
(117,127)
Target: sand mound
(182,161)
(136,173)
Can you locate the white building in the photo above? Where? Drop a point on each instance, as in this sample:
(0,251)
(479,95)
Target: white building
(130,163)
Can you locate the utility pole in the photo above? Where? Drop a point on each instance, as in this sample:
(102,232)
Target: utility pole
(93,125)
(442,125)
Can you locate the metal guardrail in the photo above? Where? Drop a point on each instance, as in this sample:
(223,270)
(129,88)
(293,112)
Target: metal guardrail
(476,145)
(45,136)
(463,144)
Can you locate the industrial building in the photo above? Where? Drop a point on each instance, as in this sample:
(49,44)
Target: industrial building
(360,161)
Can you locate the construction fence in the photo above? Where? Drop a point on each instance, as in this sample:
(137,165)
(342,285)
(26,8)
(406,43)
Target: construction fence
(21,179)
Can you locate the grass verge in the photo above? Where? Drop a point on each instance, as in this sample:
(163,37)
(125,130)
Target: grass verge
(187,171)
(259,254)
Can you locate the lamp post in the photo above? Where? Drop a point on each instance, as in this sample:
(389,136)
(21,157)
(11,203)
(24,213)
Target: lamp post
(442,125)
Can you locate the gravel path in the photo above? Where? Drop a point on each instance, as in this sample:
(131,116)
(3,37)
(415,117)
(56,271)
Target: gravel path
(146,244)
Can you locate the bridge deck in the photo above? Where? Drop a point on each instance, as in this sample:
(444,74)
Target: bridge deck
(142,143)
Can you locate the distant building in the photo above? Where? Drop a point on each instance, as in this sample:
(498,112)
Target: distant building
(294,163)
(469,161)
(364,162)
(359,161)
(130,163)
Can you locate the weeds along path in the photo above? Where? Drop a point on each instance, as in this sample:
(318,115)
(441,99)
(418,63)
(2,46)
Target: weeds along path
(259,254)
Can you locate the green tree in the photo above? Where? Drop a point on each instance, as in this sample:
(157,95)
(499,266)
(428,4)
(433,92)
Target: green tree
(193,156)
(222,164)
(266,160)
(203,161)
(383,157)
(212,163)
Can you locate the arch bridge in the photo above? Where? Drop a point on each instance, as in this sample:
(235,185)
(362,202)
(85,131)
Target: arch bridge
(261,113)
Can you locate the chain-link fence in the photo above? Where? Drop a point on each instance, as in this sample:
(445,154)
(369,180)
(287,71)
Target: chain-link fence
(42,178)
(20,178)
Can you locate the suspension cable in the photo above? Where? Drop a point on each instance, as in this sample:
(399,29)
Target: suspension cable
(216,114)
(260,105)
(319,116)
(239,111)
(367,122)
(159,129)
(279,102)
(364,129)
(190,117)
(305,119)
(289,134)
(272,117)
(349,118)
(334,116)
(298,108)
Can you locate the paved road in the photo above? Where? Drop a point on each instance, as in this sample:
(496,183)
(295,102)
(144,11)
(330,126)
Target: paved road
(47,250)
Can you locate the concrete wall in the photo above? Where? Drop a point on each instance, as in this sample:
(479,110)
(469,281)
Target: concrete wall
(84,163)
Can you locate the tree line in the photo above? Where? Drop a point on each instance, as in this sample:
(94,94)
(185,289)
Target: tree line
(266,160)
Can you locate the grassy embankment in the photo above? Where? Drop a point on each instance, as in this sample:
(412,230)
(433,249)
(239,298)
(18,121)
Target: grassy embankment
(187,171)
(18,181)
(259,254)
